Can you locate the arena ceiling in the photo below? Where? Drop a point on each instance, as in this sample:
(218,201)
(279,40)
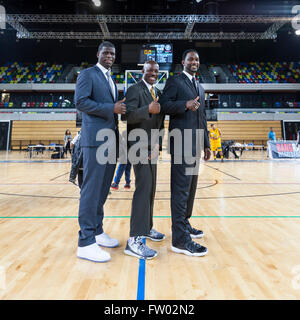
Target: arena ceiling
(149,20)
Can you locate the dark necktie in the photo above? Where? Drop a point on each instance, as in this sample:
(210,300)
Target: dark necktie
(195,84)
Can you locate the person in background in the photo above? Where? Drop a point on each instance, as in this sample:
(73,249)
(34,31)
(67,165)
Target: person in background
(272,135)
(215,141)
(121,169)
(67,139)
(77,161)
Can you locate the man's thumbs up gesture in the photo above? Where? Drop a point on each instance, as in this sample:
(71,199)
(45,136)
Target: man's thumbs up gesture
(154,106)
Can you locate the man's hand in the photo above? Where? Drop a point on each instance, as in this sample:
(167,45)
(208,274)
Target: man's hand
(154,106)
(193,104)
(120,107)
(207,154)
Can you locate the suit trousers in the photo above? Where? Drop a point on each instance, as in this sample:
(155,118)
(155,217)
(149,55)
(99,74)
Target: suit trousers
(183,191)
(95,187)
(141,221)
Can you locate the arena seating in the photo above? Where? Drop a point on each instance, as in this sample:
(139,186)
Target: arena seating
(253,72)
(39,100)
(266,72)
(243,72)
(39,72)
(254,100)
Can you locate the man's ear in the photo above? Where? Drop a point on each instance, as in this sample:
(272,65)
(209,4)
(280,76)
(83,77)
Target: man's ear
(182,62)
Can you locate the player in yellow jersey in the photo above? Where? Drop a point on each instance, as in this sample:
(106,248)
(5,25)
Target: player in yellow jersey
(215,141)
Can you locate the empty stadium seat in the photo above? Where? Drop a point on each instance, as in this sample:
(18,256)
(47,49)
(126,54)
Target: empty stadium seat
(39,72)
(264,72)
(277,104)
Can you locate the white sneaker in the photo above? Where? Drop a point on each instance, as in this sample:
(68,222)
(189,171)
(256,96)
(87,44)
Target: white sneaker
(105,240)
(93,253)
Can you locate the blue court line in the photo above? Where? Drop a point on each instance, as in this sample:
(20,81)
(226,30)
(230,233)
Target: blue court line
(141,279)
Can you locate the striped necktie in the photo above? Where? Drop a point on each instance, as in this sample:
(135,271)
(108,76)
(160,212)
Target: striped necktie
(152,93)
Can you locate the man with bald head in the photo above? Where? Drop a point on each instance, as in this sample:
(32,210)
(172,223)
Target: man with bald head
(143,112)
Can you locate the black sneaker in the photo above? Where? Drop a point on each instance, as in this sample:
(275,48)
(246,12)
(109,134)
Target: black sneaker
(190,249)
(73,181)
(195,233)
(155,235)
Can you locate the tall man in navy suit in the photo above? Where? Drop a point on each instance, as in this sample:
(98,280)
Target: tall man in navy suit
(96,96)
(184,100)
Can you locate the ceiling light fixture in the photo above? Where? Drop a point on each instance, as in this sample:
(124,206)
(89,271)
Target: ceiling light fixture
(97,3)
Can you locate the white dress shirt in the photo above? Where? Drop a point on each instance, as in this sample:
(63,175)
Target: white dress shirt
(149,86)
(111,83)
(189,76)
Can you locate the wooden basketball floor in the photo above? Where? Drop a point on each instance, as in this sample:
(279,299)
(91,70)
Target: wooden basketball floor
(249,211)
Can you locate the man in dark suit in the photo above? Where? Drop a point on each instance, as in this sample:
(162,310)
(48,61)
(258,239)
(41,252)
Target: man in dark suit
(184,100)
(96,96)
(142,112)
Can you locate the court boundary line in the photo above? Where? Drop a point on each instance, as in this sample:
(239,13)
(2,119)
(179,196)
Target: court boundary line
(52,179)
(228,174)
(157,199)
(160,161)
(36,161)
(163,182)
(141,278)
(128,217)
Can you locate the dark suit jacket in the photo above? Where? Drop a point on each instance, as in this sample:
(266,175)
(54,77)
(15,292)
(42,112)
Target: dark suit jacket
(178,90)
(93,97)
(137,102)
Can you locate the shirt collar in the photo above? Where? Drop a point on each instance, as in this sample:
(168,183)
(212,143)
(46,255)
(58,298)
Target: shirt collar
(188,75)
(149,86)
(104,70)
